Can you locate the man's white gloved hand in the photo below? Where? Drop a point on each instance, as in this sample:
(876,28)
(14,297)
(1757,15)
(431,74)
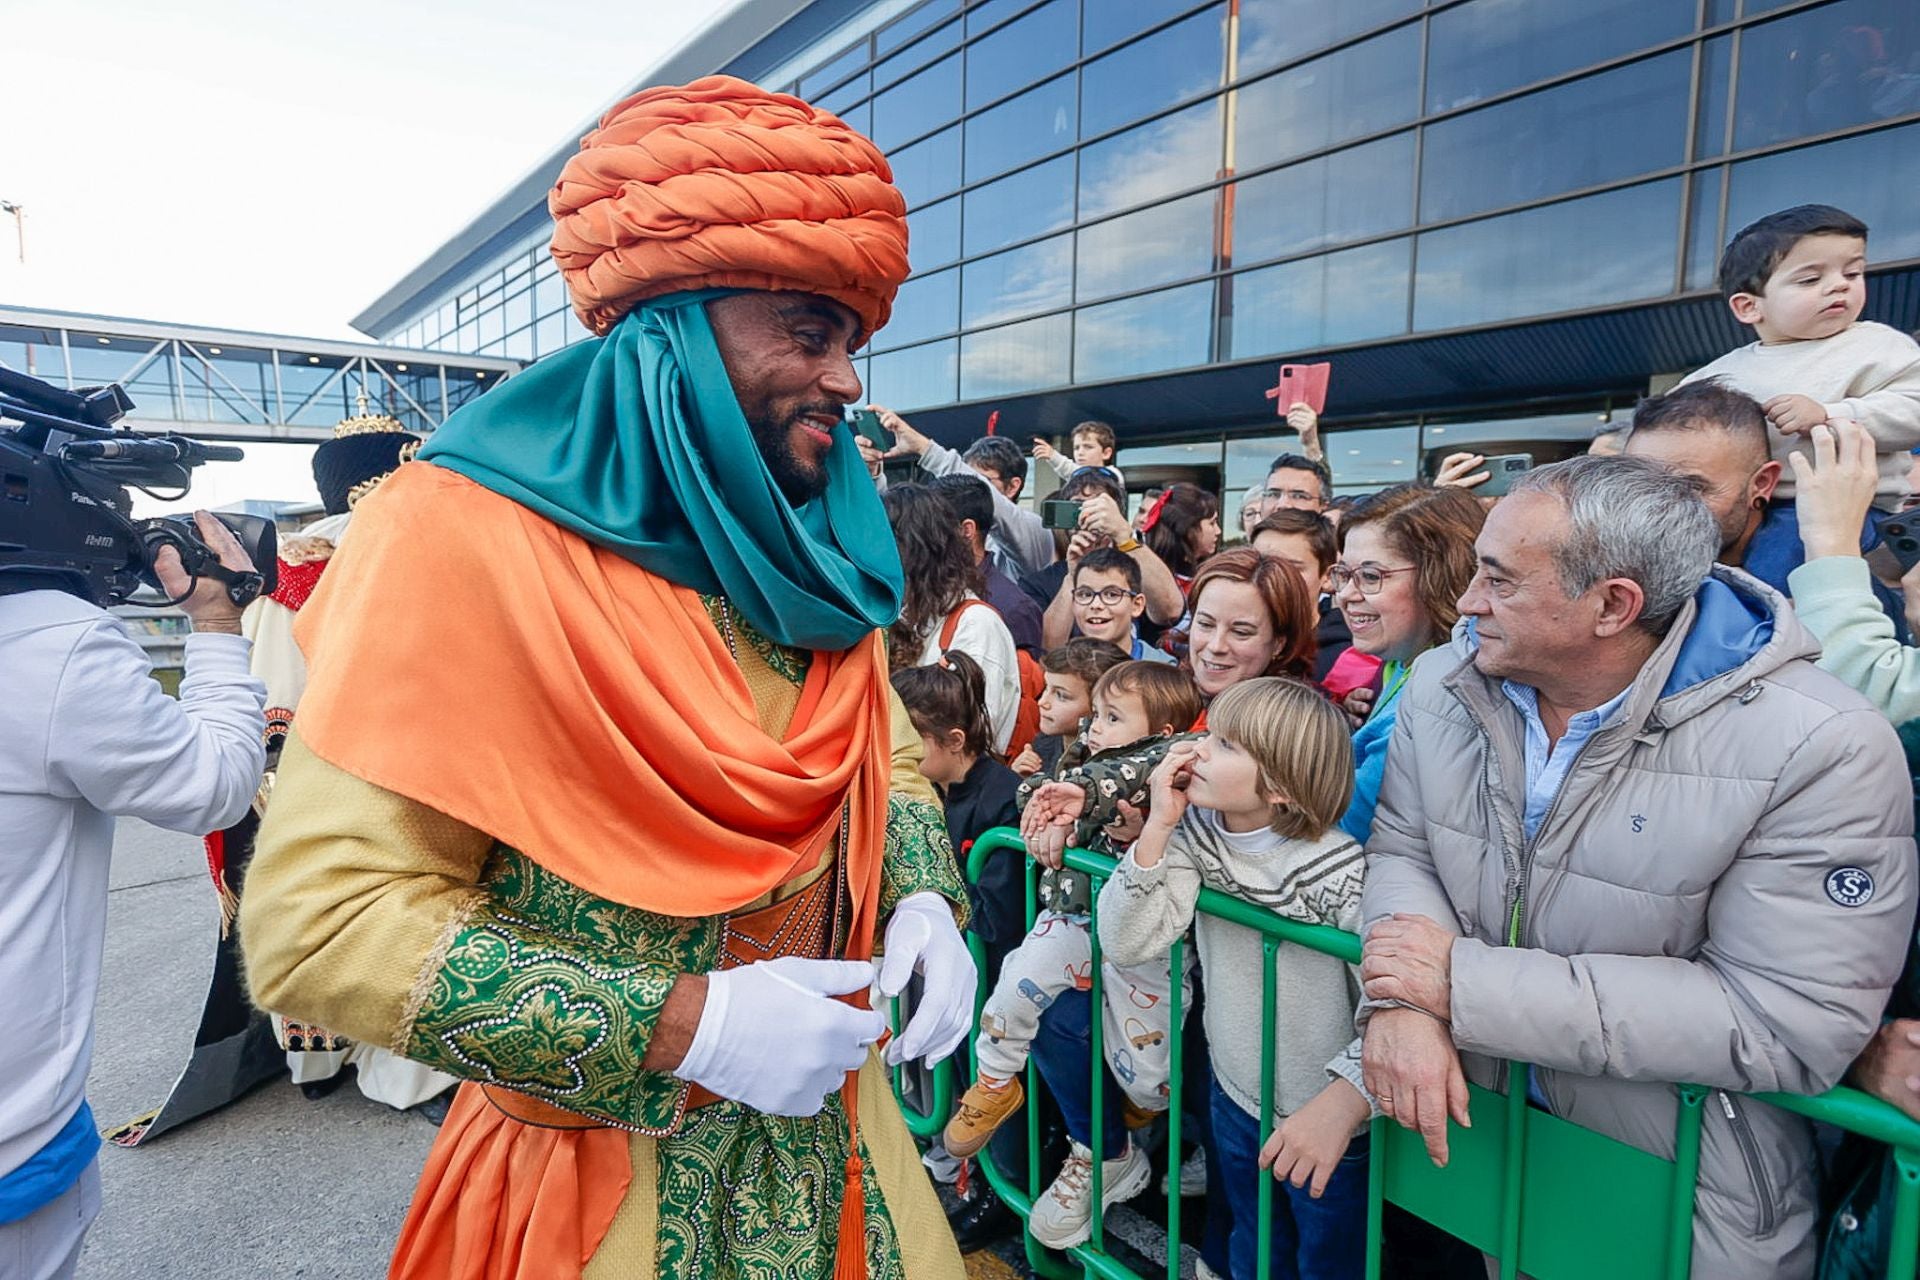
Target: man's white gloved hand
(770,1036)
(922,938)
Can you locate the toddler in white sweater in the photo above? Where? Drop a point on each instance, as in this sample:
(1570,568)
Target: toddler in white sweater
(1798,277)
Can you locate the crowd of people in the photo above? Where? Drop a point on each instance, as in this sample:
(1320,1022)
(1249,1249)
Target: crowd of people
(648,715)
(1564,757)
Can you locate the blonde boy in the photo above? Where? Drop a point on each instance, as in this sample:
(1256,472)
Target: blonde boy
(1250,809)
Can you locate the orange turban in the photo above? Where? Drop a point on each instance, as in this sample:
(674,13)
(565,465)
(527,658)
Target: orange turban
(721,184)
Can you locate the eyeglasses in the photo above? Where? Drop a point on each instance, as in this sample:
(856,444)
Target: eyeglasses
(1369,577)
(1286,495)
(1108,596)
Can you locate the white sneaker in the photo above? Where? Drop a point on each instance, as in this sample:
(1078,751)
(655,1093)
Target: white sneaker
(1063,1215)
(1201,1271)
(1193,1175)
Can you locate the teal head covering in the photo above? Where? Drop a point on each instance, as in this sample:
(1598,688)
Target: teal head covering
(636,442)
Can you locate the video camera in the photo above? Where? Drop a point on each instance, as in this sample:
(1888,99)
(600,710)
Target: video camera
(66,518)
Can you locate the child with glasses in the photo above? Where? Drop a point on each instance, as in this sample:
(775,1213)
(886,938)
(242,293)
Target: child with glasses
(1108,601)
(1135,704)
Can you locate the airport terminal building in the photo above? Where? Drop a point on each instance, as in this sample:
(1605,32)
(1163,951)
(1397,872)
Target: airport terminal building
(1498,219)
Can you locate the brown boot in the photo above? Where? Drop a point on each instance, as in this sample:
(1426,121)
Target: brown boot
(981,1111)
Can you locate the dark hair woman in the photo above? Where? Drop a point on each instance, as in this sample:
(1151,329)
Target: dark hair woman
(1182,526)
(943,608)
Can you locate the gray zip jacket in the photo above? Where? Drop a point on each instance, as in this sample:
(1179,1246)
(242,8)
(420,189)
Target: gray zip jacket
(1721,893)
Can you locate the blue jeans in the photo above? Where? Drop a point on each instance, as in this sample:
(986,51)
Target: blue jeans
(1062,1052)
(1324,1239)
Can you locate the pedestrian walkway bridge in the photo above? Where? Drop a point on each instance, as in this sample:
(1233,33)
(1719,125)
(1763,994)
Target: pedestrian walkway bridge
(241,386)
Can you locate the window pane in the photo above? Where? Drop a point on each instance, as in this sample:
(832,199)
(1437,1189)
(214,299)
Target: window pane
(1018,282)
(1167,155)
(1023,51)
(1347,296)
(944,40)
(1887,206)
(1703,229)
(1184,60)
(1518,265)
(1627,121)
(914,106)
(1026,128)
(933,234)
(1019,357)
(1170,241)
(915,378)
(1029,203)
(833,71)
(1827,68)
(1357,91)
(1490,46)
(1362,461)
(1276,31)
(914,23)
(1172,329)
(851,105)
(927,169)
(1106,22)
(1716,77)
(1349,195)
(925,307)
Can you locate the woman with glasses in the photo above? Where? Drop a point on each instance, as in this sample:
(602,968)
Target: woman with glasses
(1406,554)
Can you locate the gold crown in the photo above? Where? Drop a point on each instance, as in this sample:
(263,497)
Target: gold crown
(368,424)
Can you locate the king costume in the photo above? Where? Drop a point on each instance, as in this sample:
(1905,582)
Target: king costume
(592,706)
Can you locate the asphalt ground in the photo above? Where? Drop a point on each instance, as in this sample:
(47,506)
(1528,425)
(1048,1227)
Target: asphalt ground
(271,1186)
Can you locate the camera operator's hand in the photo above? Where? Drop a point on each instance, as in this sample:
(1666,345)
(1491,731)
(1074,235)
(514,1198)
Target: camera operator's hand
(208,608)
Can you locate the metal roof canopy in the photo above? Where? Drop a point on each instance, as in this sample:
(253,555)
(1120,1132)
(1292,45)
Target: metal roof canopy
(1612,351)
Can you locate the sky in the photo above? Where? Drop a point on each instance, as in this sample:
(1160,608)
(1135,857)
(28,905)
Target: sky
(277,166)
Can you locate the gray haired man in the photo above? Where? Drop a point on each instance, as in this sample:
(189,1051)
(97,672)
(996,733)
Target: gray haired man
(1629,834)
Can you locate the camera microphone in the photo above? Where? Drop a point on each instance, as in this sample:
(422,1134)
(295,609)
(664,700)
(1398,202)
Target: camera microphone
(149,450)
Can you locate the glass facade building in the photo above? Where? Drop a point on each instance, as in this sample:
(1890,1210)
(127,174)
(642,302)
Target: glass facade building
(1134,209)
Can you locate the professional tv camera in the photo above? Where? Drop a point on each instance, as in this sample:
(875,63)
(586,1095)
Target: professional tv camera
(66,518)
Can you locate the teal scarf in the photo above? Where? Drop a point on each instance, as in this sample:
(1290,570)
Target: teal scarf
(636,442)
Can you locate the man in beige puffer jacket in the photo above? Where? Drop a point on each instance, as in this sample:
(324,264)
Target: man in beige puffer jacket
(1629,834)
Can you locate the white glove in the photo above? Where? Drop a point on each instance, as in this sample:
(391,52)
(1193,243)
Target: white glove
(769,1036)
(921,938)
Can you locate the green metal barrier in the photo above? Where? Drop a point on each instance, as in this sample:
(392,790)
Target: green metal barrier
(1543,1195)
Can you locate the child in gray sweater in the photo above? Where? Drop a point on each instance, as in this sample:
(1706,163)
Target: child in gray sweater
(1250,810)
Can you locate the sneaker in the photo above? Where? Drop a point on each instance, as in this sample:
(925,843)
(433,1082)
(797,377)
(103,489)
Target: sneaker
(1193,1175)
(1201,1271)
(1063,1215)
(981,1111)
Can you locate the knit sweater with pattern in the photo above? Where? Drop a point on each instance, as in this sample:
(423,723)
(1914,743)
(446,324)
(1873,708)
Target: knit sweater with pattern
(1143,909)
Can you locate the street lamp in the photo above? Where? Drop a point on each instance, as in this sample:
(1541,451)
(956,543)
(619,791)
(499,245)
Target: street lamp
(19,225)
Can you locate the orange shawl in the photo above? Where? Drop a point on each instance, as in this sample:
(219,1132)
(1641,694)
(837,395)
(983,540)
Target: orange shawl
(473,656)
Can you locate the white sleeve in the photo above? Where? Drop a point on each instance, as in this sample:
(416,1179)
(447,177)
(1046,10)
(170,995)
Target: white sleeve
(1890,410)
(982,636)
(120,743)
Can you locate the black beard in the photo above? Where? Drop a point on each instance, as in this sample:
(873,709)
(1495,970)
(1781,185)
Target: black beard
(798,482)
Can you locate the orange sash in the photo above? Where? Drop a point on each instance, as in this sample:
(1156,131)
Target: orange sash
(471,655)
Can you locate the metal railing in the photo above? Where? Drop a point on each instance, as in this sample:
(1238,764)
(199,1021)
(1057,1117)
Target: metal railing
(1543,1195)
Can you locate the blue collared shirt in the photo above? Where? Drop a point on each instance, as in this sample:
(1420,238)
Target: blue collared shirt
(1548,763)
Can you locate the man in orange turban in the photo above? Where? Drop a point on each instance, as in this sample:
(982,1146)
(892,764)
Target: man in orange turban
(599,798)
